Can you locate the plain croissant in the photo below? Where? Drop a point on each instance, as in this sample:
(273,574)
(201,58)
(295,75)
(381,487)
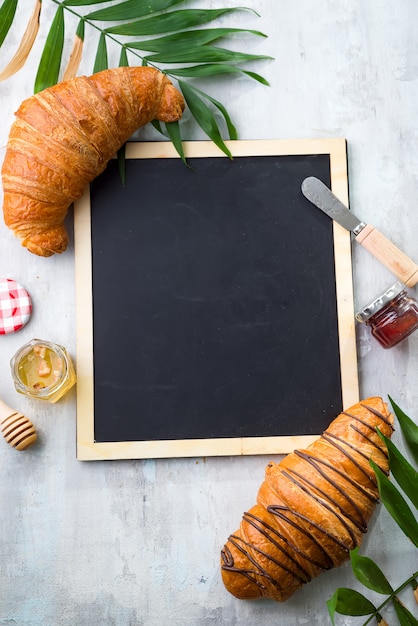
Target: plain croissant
(312,508)
(63,138)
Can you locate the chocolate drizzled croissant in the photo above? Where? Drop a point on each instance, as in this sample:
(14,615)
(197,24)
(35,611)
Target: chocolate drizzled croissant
(312,508)
(63,138)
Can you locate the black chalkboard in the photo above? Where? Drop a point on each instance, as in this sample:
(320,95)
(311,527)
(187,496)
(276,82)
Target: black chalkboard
(214,304)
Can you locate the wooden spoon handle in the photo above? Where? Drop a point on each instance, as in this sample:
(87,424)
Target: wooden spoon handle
(5,411)
(17,429)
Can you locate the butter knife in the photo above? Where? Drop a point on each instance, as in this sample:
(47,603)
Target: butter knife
(367,235)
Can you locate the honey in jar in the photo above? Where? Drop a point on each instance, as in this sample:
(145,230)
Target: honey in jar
(43,370)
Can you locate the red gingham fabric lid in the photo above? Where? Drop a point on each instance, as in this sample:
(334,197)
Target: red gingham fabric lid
(15,306)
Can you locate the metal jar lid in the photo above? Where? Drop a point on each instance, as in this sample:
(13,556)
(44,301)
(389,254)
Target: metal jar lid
(15,306)
(379,302)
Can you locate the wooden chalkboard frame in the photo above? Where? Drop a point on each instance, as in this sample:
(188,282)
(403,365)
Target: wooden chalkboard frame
(87,447)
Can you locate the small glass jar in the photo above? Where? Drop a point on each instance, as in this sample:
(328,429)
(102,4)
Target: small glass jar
(392,316)
(43,370)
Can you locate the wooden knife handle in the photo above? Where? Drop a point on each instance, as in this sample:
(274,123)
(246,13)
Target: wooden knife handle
(389,255)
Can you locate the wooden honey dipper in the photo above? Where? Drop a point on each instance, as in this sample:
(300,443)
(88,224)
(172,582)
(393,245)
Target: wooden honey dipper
(17,429)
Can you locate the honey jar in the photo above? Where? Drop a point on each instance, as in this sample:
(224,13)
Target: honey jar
(43,370)
(392,316)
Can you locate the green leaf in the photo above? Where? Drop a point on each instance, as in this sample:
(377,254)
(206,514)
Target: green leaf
(82,3)
(123,59)
(332,606)
(349,602)
(101,60)
(203,116)
(405,617)
(409,429)
(169,22)
(232,131)
(405,475)
(186,38)
(131,9)
(50,63)
(80,29)
(396,505)
(158,127)
(368,573)
(7,14)
(204,54)
(173,131)
(213,69)
(121,156)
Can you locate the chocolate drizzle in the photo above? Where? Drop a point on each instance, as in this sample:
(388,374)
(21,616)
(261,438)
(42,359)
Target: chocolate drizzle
(228,563)
(315,461)
(362,526)
(279,511)
(239,543)
(262,527)
(378,445)
(378,414)
(373,443)
(356,418)
(276,561)
(325,504)
(320,528)
(331,438)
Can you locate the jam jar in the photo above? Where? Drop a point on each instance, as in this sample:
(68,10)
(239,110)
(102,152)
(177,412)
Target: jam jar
(392,316)
(43,370)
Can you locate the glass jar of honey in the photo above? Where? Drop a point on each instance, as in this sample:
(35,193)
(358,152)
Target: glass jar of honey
(43,370)
(392,315)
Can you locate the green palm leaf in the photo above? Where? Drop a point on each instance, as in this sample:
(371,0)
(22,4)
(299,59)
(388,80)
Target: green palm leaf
(82,3)
(50,63)
(405,475)
(213,69)
(131,9)
(203,54)
(123,59)
(101,60)
(121,157)
(185,38)
(80,29)
(7,13)
(203,116)
(169,22)
(232,131)
(396,505)
(409,429)
(173,131)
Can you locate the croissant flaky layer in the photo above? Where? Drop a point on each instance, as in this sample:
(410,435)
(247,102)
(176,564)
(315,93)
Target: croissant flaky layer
(312,508)
(64,136)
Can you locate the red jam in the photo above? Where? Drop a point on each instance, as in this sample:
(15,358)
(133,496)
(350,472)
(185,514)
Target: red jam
(392,316)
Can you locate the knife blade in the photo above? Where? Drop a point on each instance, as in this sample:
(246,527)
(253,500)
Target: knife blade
(404,268)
